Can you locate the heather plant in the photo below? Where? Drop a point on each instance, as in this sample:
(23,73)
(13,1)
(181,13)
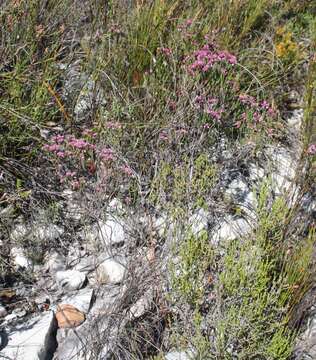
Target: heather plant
(191,91)
(85,162)
(244,291)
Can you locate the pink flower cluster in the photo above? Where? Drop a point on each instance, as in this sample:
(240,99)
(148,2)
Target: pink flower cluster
(106,154)
(78,158)
(114,125)
(209,105)
(256,111)
(205,58)
(262,106)
(311,150)
(184,28)
(80,144)
(163,136)
(164,50)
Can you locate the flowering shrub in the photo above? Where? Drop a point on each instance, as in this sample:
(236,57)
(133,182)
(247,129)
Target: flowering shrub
(219,101)
(206,58)
(79,159)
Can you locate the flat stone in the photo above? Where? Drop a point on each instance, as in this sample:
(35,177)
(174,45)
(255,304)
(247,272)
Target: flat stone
(69,346)
(32,340)
(283,169)
(69,316)
(10,317)
(70,279)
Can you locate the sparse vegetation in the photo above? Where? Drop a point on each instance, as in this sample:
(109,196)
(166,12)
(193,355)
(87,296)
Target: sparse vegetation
(157,103)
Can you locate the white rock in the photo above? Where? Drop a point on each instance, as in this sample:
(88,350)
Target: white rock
(179,355)
(296,120)
(33,340)
(49,232)
(256,173)
(305,347)
(70,279)
(10,317)
(231,229)
(20,232)
(86,264)
(82,300)
(283,170)
(241,194)
(112,231)
(3,311)
(110,271)
(116,206)
(160,225)
(141,306)
(19,259)
(198,221)
(19,312)
(89,95)
(70,347)
(55,262)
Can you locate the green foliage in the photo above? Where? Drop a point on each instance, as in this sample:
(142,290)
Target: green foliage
(31,40)
(194,257)
(187,183)
(258,283)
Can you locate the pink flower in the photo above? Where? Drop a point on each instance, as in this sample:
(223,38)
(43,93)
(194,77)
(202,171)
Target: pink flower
(212,101)
(216,114)
(61,154)
(163,136)
(79,143)
(270,132)
(106,154)
(311,150)
(247,100)
(127,170)
(238,124)
(264,105)
(205,58)
(58,138)
(166,51)
(271,112)
(51,148)
(257,117)
(113,125)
